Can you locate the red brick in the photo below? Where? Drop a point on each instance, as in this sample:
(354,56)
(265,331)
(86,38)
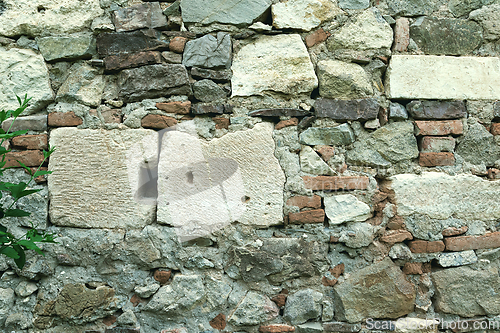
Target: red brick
(308,216)
(158,121)
(31,142)
(396,236)
(175,107)
(122,61)
(287,123)
(303,201)
(326,152)
(136,300)
(108,321)
(333,239)
(439,127)
(334,183)
(279,299)
(453,231)
(337,270)
(413,268)
(493,173)
(495,128)
(316,37)
(328,282)
(464,243)
(177,44)
(436,159)
(436,144)
(401,34)
(162,276)
(276,328)
(221,123)
(422,246)
(219,322)
(63,119)
(28,157)
(397,222)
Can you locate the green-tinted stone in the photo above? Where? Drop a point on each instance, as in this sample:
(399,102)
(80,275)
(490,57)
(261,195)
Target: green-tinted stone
(67,47)
(340,135)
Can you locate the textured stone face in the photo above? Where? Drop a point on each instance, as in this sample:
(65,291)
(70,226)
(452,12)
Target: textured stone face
(346,208)
(479,146)
(254,309)
(358,109)
(338,79)
(303,14)
(90,185)
(84,84)
(412,7)
(67,47)
(340,135)
(24,71)
(127,42)
(273,63)
(433,77)
(382,281)
(437,109)
(488,16)
(208,52)
(441,196)
(144,15)
(40,16)
(302,306)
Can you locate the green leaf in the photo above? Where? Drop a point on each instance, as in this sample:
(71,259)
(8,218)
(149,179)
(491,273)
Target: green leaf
(22,256)
(2,228)
(41,173)
(16,213)
(30,245)
(25,167)
(10,252)
(46,154)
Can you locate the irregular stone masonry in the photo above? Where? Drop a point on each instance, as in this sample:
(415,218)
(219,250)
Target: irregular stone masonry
(253,166)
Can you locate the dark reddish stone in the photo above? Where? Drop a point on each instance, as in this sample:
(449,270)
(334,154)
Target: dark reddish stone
(308,216)
(219,322)
(316,37)
(286,123)
(401,35)
(31,142)
(344,110)
(443,127)
(437,109)
(128,42)
(162,276)
(436,159)
(63,119)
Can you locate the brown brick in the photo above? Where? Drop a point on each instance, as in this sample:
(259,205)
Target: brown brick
(279,299)
(334,183)
(379,196)
(333,239)
(219,322)
(422,246)
(316,37)
(221,123)
(436,159)
(436,144)
(123,61)
(426,267)
(326,152)
(401,34)
(337,270)
(276,328)
(110,320)
(177,44)
(63,119)
(493,173)
(286,123)
(308,216)
(158,121)
(439,127)
(397,222)
(175,107)
(30,142)
(396,236)
(495,128)
(303,201)
(464,243)
(28,157)
(453,231)
(112,116)
(162,276)
(328,282)
(136,300)
(413,268)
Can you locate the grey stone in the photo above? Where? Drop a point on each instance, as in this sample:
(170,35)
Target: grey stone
(223,75)
(357,235)
(58,73)
(27,43)
(172,57)
(174,9)
(113,153)
(328,310)
(437,109)
(199,109)
(197,261)
(208,91)
(310,328)
(364,154)
(354,109)
(302,306)
(143,15)
(338,79)
(7,298)
(253,310)
(147,291)
(33,123)
(354,4)
(395,295)
(240,13)
(400,251)
(208,52)
(346,208)
(303,14)
(329,136)
(153,81)
(396,142)
(462,7)
(127,318)
(279,113)
(480,285)
(478,146)
(457,258)
(18,320)
(339,326)
(84,85)
(423,227)
(488,17)
(24,71)
(412,7)
(278,63)
(310,162)
(397,111)
(446,36)
(102,24)
(25,288)
(128,42)
(67,47)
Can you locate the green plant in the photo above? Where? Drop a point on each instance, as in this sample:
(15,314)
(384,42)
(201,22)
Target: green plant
(11,246)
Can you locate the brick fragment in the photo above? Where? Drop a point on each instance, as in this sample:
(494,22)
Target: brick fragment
(401,34)
(422,246)
(157,121)
(108,321)
(337,270)
(335,183)
(287,123)
(495,128)
(396,236)
(326,152)
(221,123)
(123,61)
(308,216)
(411,268)
(397,222)
(219,322)
(279,299)
(276,328)
(333,239)
(453,231)
(328,282)
(162,276)
(439,127)
(316,37)
(30,142)
(493,173)
(63,119)
(303,201)
(436,159)
(175,107)
(177,44)
(379,196)
(436,144)
(30,158)
(112,116)
(464,243)
(136,300)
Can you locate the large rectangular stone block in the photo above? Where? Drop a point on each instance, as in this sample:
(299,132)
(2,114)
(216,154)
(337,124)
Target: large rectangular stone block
(440,77)
(95,175)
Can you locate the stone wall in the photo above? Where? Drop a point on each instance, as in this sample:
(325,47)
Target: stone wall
(255,166)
